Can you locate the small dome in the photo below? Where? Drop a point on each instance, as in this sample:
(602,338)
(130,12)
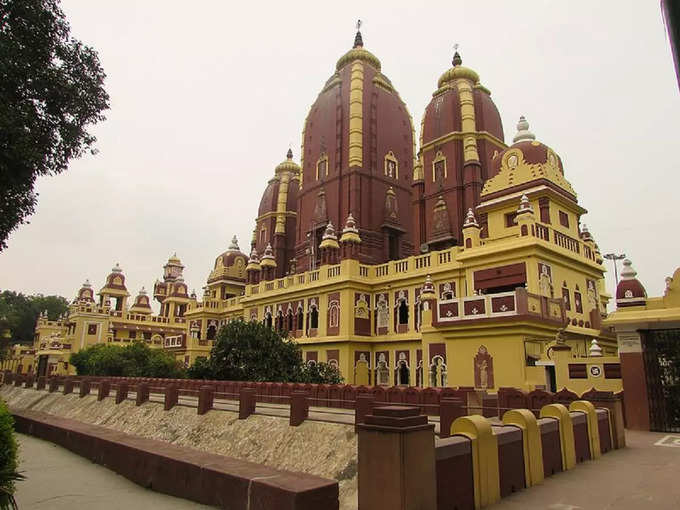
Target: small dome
(288,165)
(329,239)
(457,72)
(358,53)
(268,259)
(350,233)
(86,293)
(470,220)
(232,263)
(629,291)
(116,279)
(141,304)
(174,259)
(524,161)
(253,262)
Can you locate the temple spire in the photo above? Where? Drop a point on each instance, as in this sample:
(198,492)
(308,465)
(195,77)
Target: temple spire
(457,60)
(358,41)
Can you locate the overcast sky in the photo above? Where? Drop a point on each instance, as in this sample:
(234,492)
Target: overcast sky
(206,97)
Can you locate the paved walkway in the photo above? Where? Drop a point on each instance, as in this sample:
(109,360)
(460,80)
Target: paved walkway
(644,475)
(58,479)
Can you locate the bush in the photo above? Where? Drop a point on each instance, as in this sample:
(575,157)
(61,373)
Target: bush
(251,351)
(134,360)
(8,459)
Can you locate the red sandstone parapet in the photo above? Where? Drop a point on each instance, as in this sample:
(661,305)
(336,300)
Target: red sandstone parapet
(183,472)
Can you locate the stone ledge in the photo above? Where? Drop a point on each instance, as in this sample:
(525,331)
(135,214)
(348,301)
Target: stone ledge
(184,472)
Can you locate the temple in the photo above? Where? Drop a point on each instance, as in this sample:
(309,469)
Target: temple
(457,260)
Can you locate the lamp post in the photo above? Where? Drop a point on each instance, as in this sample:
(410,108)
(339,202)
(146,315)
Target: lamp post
(614,258)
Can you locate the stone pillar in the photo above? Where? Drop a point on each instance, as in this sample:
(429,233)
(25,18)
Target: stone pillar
(299,408)
(103,390)
(41,383)
(363,406)
(634,378)
(246,403)
(396,460)
(205,399)
(18,380)
(142,394)
(121,392)
(29,380)
(614,406)
(84,388)
(9,377)
(171,397)
(68,386)
(450,409)
(53,384)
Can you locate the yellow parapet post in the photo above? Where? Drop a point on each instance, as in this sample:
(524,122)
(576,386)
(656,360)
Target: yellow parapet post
(484,457)
(567,445)
(531,441)
(591,419)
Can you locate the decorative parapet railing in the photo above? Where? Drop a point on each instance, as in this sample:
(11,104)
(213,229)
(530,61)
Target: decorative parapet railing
(502,304)
(562,240)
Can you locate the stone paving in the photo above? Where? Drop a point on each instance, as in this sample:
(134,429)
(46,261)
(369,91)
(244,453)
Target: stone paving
(58,479)
(643,476)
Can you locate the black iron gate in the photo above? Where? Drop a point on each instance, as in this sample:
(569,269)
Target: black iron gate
(662,365)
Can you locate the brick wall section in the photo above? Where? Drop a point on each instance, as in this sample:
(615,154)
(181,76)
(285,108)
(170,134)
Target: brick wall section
(183,472)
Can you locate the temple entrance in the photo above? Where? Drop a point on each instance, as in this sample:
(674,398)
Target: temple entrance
(661,356)
(550,379)
(42,366)
(403,373)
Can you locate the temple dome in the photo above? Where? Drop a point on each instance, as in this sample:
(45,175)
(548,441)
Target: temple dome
(288,165)
(231,264)
(443,115)
(629,291)
(526,160)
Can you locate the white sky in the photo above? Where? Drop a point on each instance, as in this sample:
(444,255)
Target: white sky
(206,97)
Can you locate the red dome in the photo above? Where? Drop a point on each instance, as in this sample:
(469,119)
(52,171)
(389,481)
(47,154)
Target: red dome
(533,152)
(629,291)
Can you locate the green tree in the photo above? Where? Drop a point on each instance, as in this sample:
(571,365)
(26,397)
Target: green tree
(134,360)
(51,91)
(8,459)
(251,351)
(19,313)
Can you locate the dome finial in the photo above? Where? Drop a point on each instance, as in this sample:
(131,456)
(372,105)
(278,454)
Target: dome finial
(289,154)
(457,60)
(233,246)
(358,41)
(523,132)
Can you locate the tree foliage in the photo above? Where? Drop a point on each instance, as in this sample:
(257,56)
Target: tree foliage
(19,313)
(51,91)
(251,351)
(8,458)
(134,360)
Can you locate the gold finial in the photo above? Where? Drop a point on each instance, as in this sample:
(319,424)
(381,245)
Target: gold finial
(358,41)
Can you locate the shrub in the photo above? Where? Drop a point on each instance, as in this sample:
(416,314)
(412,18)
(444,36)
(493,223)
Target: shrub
(252,351)
(8,459)
(134,360)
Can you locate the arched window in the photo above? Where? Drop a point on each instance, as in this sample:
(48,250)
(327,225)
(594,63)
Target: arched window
(334,314)
(268,320)
(403,312)
(299,318)
(212,331)
(289,325)
(279,320)
(313,317)
(403,373)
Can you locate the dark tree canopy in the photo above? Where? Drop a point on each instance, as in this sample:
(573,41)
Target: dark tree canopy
(252,351)
(19,313)
(51,91)
(134,360)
